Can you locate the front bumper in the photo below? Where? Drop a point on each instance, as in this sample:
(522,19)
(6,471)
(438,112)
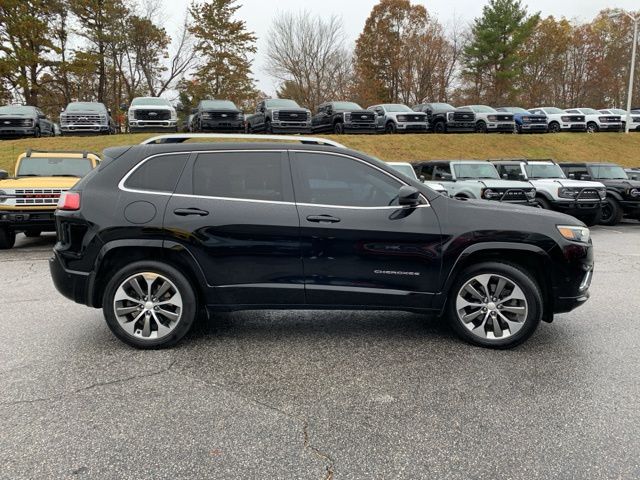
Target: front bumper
(461,127)
(504,127)
(73,285)
(412,126)
(93,128)
(222,126)
(16,131)
(360,127)
(573,127)
(573,278)
(577,208)
(152,125)
(291,127)
(630,207)
(21,220)
(610,127)
(534,127)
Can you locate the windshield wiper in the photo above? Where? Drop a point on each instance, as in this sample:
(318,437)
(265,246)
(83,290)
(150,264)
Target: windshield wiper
(28,175)
(65,175)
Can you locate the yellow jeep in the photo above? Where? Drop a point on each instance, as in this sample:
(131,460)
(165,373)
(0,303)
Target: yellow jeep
(29,200)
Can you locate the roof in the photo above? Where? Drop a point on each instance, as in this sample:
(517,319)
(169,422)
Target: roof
(58,154)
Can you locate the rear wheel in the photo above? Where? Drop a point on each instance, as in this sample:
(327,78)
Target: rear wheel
(32,233)
(7,239)
(149,305)
(496,305)
(611,212)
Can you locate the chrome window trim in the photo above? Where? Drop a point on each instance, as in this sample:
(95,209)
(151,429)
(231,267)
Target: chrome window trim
(250,200)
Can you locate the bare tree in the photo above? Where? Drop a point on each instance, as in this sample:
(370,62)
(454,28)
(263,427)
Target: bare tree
(308,55)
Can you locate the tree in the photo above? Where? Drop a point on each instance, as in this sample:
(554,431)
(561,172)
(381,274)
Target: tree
(491,59)
(25,42)
(223,46)
(306,54)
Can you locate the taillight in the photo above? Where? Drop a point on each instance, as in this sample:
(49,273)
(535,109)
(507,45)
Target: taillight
(69,201)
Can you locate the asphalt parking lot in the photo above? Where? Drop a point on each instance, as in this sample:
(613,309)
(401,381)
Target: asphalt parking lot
(304,395)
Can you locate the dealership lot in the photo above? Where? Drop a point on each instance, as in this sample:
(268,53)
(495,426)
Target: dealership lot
(320,395)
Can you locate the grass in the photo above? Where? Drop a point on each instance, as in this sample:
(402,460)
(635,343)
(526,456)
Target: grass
(611,147)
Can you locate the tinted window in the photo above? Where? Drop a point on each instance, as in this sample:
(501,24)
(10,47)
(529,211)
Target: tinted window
(54,167)
(158,174)
(245,175)
(336,180)
(510,172)
(441,172)
(576,172)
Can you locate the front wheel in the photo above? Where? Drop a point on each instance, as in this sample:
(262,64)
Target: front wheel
(390,128)
(149,305)
(37,133)
(592,127)
(268,128)
(440,127)
(611,212)
(481,127)
(554,127)
(495,305)
(7,239)
(338,128)
(543,203)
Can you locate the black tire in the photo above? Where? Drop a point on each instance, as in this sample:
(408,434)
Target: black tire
(592,127)
(611,212)
(268,128)
(7,239)
(554,127)
(519,277)
(390,128)
(543,203)
(189,304)
(338,128)
(37,133)
(440,127)
(32,233)
(593,219)
(518,129)
(481,126)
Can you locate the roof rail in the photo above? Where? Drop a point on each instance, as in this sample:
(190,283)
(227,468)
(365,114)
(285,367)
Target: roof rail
(182,137)
(84,153)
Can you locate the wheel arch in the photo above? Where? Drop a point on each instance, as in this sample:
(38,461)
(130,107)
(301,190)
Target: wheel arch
(614,194)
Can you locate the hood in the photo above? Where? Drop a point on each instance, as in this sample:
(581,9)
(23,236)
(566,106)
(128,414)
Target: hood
(38,182)
(496,183)
(417,115)
(151,107)
(567,182)
(615,183)
(517,214)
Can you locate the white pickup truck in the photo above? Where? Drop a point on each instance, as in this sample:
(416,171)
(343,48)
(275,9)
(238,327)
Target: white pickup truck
(598,122)
(561,121)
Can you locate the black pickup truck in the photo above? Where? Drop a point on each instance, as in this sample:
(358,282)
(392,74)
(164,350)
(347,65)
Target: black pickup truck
(343,117)
(217,116)
(279,115)
(445,118)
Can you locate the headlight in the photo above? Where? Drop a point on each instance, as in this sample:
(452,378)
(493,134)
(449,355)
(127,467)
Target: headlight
(634,192)
(526,119)
(206,115)
(530,193)
(174,115)
(565,119)
(575,234)
(489,194)
(240,116)
(603,193)
(449,116)
(492,118)
(347,116)
(276,115)
(401,118)
(564,192)
(131,114)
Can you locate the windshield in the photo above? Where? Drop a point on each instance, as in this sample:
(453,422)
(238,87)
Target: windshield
(85,107)
(482,109)
(222,104)
(404,169)
(618,111)
(396,107)
(544,170)
(17,110)
(442,106)
(590,111)
(475,170)
(553,110)
(515,110)
(54,167)
(281,103)
(155,101)
(346,106)
(608,172)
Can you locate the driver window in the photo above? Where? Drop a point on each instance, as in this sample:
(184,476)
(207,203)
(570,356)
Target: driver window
(510,172)
(323,179)
(442,172)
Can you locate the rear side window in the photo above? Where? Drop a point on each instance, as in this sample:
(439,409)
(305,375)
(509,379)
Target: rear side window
(241,175)
(158,174)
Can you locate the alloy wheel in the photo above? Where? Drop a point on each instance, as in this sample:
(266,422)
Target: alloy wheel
(148,306)
(491,307)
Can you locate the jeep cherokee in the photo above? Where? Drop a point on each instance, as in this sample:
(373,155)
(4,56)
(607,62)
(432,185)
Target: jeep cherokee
(623,194)
(343,117)
(554,191)
(28,201)
(232,226)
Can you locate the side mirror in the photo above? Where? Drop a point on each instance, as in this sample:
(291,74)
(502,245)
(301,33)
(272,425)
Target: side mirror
(505,176)
(522,177)
(124,106)
(585,177)
(571,176)
(422,178)
(194,111)
(3,175)
(408,195)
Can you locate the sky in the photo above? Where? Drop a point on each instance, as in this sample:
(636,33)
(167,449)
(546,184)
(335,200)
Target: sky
(258,15)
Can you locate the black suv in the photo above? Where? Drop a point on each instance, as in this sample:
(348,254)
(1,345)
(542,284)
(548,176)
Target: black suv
(623,194)
(343,117)
(445,118)
(233,226)
(217,116)
(24,121)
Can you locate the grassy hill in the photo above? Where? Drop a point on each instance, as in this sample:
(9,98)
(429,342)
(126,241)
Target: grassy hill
(619,148)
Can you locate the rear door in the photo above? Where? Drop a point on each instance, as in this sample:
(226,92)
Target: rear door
(359,248)
(234,212)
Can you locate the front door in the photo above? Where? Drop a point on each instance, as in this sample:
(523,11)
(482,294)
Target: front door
(359,248)
(234,212)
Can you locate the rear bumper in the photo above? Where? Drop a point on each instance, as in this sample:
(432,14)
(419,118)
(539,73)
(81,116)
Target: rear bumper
(20,221)
(74,285)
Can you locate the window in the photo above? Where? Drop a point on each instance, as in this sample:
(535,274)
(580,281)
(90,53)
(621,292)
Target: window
(243,175)
(159,174)
(510,172)
(426,172)
(336,180)
(54,167)
(442,172)
(577,173)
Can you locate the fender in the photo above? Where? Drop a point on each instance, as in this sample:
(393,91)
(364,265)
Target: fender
(466,193)
(546,195)
(614,193)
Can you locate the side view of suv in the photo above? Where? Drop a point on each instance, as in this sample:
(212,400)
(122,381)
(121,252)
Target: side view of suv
(217,116)
(398,118)
(561,121)
(23,120)
(445,118)
(279,115)
(598,122)
(489,120)
(151,114)
(86,117)
(475,179)
(343,117)
(232,226)
(554,191)
(623,194)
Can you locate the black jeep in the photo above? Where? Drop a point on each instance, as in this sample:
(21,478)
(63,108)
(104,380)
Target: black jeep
(343,117)
(232,226)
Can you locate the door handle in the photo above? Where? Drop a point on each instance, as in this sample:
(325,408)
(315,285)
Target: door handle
(183,212)
(322,219)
